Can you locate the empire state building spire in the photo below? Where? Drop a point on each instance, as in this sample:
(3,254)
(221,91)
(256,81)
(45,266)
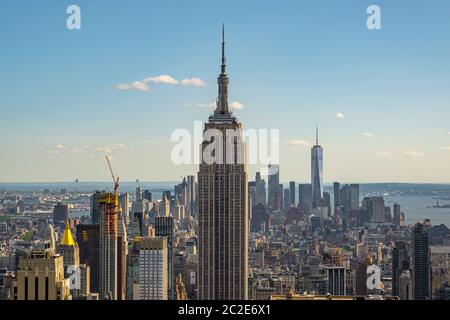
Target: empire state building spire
(223,81)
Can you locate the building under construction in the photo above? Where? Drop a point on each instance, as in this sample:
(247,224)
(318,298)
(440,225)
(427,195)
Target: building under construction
(108,204)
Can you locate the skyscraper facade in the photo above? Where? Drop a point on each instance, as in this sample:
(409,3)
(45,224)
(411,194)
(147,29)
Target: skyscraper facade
(421,263)
(60,214)
(316,172)
(89,244)
(305,196)
(164,227)
(108,211)
(400,263)
(153,270)
(222,205)
(292,192)
(274,187)
(260,185)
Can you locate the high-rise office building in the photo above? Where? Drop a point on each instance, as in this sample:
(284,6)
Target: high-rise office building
(260,185)
(122,252)
(440,269)
(336,189)
(153,270)
(222,206)
(191,190)
(336,281)
(292,192)
(260,219)
(147,195)
(69,249)
(305,196)
(164,227)
(400,263)
(94,207)
(40,276)
(375,209)
(316,172)
(88,241)
(124,205)
(397,211)
(280,197)
(420,263)
(286,199)
(164,207)
(274,187)
(60,214)
(108,211)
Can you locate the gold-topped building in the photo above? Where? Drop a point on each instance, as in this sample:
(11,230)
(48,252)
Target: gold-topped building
(222,203)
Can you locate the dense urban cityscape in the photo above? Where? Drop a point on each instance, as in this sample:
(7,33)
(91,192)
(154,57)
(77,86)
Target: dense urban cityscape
(221,235)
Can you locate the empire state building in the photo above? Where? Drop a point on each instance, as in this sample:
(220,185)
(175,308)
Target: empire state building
(223,215)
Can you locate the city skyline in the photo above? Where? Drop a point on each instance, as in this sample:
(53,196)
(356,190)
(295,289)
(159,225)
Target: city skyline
(61,121)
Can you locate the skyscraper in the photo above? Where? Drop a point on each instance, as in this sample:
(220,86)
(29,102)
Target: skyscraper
(260,185)
(305,196)
(108,211)
(89,243)
(274,186)
(316,172)
(336,189)
(292,192)
(94,207)
(164,227)
(122,252)
(68,248)
(397,211)
(222,205)
(421,263)
(191,190)
(40,276)
(400,263)
(60,214)
(153,270)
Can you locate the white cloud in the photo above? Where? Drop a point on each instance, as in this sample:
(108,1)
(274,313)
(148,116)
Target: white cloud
(445,148)
(298,143)
(142,85)
(416,136)
(54,152)
(164,78)
(414,154)
(383,154)
(135,85)
(196,82)
(339,115)
(209,105)
(78,150)
(60,146)
(120,146)
(235,105)
(103,149)
(367,134)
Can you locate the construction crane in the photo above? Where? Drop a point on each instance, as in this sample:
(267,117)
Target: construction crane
(115,179)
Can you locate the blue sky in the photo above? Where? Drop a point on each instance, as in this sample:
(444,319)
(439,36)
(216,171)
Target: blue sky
(292,64)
